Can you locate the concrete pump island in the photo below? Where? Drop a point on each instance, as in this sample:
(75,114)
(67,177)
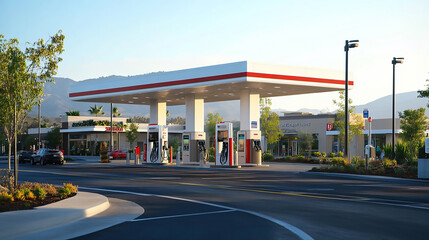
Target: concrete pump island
(244,81)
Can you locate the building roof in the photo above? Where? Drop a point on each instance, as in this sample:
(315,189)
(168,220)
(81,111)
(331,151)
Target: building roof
(212,83)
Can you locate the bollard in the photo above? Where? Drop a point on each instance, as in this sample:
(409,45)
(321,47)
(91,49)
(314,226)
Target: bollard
(178,158)
(236,158)
(128,158)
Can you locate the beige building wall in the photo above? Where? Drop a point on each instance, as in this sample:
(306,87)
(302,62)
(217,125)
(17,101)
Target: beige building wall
(314,124)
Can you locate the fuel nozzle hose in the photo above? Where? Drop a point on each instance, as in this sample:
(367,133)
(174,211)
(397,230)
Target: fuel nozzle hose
(154,154)
(224,154)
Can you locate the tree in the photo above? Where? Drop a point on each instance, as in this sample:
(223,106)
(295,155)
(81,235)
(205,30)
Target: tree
(210,122)
(115,112)
(53,138)
(355,121)
(270,127)
(305,141)
(176,120)
(413,126)
(22,78)
(424,93)
(96,110)
(131,133)
(137,119)
(73,113)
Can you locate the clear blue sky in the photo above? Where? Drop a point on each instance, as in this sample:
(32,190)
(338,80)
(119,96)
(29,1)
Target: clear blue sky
(134,37)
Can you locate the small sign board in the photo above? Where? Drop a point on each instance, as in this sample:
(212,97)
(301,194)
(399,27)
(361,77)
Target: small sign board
(365,113)
(254,124)
(329,126)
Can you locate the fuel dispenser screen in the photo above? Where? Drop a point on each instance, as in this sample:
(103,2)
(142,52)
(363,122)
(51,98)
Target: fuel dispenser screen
(153,137)
(186,143)
(222,136)
(240,147)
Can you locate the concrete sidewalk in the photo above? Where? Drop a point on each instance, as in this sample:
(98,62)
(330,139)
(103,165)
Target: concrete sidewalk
(72,217)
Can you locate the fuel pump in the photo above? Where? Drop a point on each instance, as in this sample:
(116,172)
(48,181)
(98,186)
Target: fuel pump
(192,145)
(224,144)
(202,151)
(249,147)
(157,144)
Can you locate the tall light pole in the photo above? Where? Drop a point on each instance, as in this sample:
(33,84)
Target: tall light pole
(394,62)
(38,128)
(349,44)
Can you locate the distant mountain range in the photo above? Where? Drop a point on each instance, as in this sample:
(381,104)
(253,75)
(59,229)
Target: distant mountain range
(56,102)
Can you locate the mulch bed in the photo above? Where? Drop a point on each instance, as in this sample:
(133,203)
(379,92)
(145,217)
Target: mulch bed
(28,204)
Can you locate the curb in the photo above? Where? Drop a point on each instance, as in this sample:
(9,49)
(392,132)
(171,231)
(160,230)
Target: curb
(368,177)
(20,223)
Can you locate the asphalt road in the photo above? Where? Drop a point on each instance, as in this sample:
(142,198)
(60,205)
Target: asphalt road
(279,202)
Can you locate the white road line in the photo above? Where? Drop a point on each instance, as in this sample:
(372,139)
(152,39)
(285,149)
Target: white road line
(222,178)
(298,232)
(180,215)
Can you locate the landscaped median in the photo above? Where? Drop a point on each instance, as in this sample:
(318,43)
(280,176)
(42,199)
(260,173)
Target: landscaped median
(381,167)
(29,195)
(28,208)
(22,223)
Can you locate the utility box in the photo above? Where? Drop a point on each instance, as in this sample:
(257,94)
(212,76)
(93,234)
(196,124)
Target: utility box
(423,162)
(370,151)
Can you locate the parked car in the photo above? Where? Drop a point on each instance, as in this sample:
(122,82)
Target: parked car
(25,156)
(117,154)
(44,156)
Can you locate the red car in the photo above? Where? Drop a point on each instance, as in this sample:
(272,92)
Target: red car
(117,154)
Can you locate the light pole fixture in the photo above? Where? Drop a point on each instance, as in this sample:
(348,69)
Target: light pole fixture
(394,62)
(349,44)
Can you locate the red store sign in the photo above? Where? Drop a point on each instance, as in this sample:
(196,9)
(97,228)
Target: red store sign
(329,127)
(115,129)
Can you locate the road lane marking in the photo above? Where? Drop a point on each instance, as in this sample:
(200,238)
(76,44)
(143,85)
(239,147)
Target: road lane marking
(181,215)
(222,178)
(298,232)
(297,194)
(320,189)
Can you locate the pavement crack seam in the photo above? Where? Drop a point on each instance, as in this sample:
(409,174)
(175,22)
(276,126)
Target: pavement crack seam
(182,215)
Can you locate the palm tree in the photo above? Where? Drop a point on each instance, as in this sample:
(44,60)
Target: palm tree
(96,110)
(73,113)
(115,112)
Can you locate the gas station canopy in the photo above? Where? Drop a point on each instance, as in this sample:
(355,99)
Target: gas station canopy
(212,83)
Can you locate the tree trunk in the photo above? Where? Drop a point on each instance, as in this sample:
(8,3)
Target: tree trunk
(9,153)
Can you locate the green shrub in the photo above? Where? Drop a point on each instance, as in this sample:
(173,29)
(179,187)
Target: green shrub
(338,161)
(388,151)
(19,195)
(63,192)
(39,193)
(399,171)
(6,197)
(323,154)
(325,161)
(317,154)
(299,158)
(380,171)
(349,168)
(27,192)
(358,162)
(73,189)
(268,157)
(387,163)
(211,158)
(375,163)
(49,189)
(314,169)
(401,152)
(340,154)
(331,155)
(288,158)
